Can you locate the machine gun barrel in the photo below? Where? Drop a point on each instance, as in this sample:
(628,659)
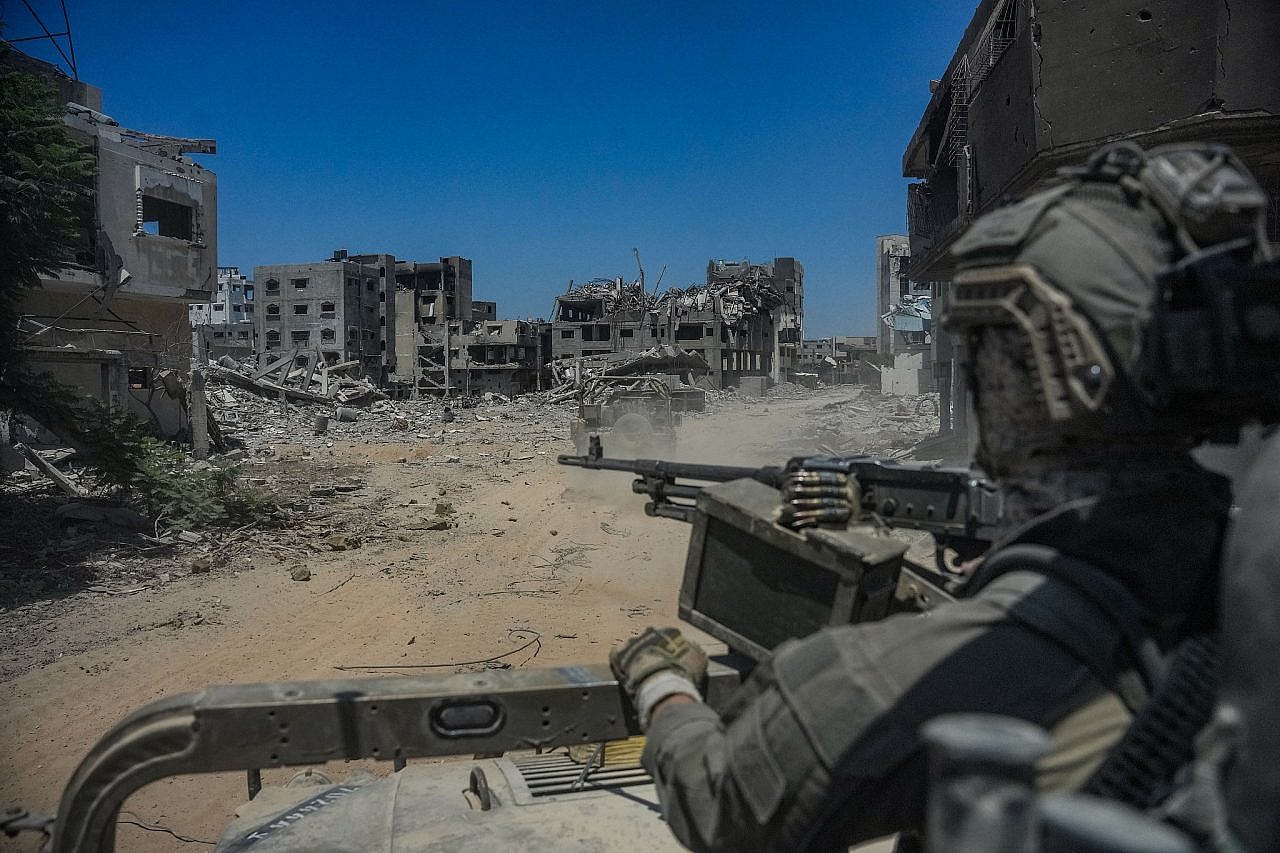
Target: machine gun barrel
(660,468)
(959,507)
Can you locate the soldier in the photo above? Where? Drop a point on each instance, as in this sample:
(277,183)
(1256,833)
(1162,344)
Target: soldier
(1110,562)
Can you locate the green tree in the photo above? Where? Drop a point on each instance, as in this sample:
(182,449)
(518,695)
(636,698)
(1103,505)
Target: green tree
(46,184)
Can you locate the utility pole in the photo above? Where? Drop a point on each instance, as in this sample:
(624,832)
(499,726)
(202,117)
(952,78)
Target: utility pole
(445,306)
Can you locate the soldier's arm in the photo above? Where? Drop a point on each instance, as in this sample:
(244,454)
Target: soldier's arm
(826,747)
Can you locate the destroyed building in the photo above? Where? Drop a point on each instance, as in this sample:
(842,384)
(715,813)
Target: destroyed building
(499,356)
(732,322)
(905,324)
(786,277)
(441,289)
(436,314)
(893,288)
(342,307)
(837,360)
(1035,86)
(225,325)
(114,323)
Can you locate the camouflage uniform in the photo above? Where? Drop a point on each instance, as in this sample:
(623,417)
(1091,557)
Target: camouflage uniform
(821,748)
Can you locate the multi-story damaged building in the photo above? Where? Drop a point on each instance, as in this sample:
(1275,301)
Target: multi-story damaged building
(225,325)
(732,322)
(502,356)
(1033,86)
(786,277)
(499,356)
(441,289)
(114,323)
(343,308)
(447,343)
(905,324)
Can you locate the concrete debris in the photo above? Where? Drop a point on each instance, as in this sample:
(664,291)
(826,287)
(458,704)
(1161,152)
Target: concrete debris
(342,542)
(299,375)
(683,367)
(301,573)
(876,424)
(45,467)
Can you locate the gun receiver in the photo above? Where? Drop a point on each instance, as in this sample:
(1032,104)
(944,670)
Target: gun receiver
(959,507)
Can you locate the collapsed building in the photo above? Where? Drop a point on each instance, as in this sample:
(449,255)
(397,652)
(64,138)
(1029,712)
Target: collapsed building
(732,323)
(114,322)
(1035,86)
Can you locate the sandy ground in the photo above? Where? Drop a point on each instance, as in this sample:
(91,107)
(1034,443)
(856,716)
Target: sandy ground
(537,547)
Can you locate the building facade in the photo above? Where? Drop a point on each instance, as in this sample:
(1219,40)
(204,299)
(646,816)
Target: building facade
(225,325)
(1036,86)
(343,308)
(893,257)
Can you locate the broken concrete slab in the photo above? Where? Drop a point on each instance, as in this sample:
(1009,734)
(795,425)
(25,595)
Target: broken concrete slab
(45,467)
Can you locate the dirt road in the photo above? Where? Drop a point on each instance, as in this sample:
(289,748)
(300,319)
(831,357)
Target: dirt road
(562,553)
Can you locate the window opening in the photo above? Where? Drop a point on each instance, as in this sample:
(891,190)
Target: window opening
(163,218)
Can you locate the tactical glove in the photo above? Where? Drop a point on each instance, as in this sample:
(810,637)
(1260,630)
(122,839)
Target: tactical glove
(658,663)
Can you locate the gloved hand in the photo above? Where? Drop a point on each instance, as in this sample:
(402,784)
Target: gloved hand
(656,664)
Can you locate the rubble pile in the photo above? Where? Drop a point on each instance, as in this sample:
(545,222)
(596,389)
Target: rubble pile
(615,294)
(298,375)
(875,424)
(735,299)
(573,376)
(731,300)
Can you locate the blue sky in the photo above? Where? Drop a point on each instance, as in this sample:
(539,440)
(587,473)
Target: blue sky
(543,140)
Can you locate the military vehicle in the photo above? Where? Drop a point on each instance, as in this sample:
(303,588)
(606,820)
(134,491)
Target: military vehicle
(555,759)
(636,412)
(559,771)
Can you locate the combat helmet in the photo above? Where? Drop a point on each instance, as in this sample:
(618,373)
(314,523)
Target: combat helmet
(1141,290)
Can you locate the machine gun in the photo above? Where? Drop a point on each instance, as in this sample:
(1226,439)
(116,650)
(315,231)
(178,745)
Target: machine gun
(750,581)
(762,565)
